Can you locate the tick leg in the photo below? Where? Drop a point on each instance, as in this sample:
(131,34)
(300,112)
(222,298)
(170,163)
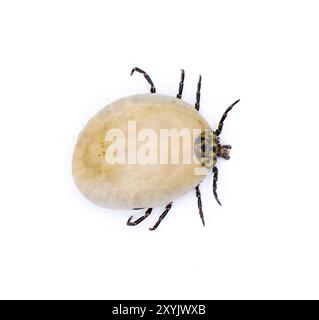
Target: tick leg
(162,216)
(199,202)
(198,195)
(215,179)
(181,85)
(221,122)
(199,85)
(147,77)
(139,220)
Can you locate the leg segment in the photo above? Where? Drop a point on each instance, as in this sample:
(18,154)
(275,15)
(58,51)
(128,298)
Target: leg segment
(162,216)
(139,220)
(147,77)
(199,84)
(198,195)
(199,203)
(215,179)
(221,122)
(181,85)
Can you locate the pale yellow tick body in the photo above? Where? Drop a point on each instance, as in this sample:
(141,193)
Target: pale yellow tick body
(142,169)
(127,186)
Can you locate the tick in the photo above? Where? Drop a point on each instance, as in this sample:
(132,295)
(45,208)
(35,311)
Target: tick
(130,155)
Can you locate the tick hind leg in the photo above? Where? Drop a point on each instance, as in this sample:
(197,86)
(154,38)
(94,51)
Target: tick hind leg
(139,220)
(147,77)
(181,85)
(162,216)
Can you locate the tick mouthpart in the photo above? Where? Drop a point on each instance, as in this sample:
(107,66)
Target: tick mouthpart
(224,152)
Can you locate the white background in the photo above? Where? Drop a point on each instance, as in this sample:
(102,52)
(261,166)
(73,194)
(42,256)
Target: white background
(62,61)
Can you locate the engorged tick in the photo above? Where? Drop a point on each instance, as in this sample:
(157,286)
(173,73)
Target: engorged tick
(124,177)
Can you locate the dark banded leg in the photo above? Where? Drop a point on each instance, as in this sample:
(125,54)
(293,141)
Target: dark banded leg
(139,220)
(181,85)
(199,85)
(198,195)
(147,77)
(199,202)
(162,216)
(221,122)
(215,179)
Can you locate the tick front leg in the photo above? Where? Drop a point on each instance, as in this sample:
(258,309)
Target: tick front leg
(139,220)
(199,203)
(181,85)
(215,179)
(223,118)
(147,77)
(162,216)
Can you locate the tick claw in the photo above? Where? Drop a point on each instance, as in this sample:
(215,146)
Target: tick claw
(129,223)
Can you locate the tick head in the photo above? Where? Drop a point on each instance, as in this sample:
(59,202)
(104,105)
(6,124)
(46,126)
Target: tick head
(223,151)
(206,148)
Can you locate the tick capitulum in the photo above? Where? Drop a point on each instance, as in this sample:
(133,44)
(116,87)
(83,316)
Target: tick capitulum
(223,151)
